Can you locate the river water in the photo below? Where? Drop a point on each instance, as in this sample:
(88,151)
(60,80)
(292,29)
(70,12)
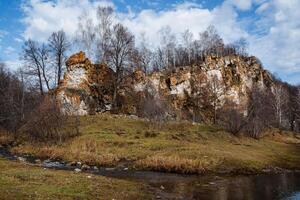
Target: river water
(284,186)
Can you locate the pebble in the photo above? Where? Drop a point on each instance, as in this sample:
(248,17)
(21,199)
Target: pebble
(21,159)
(85,167)
(77,170)
(79,164)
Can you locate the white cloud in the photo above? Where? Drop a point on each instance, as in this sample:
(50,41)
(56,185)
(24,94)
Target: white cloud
(279,47)
(13,64)
(2,34)
(19,40)
(187,16)
(275,37)
(9,50)
(44,17)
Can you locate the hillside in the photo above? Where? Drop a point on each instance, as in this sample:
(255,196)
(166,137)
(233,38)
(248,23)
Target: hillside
(181,147)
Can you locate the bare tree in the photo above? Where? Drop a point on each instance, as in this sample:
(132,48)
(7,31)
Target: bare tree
(231,118)
(205,98)
(145,54)
(168,45)
(58,45)
(293,108)
(86,35)
(121,45)
(211,41)
(280,102)
(241,46)
(105,15)
(260,113)
(36,60)
(158,60)
(187,38)
(215,89)
(16,100)
(297,108)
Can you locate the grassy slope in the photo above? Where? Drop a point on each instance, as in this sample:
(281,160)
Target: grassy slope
(178,147)
(19,181)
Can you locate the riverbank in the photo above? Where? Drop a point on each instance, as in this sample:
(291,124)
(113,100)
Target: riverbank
(22,180)
(180,147)
(25,181)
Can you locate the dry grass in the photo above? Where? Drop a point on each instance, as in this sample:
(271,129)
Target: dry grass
(173,164)
(5,137)
(19,181)
(109,140)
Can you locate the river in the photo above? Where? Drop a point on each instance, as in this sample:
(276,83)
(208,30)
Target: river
(284,186)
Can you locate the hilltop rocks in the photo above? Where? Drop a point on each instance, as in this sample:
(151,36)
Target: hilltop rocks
(78,59)
(232,77)
(87,88)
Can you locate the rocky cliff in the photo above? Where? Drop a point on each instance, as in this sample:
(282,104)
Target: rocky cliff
(87,88)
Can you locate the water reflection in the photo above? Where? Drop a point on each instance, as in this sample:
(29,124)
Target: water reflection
(259,187)
(251,187)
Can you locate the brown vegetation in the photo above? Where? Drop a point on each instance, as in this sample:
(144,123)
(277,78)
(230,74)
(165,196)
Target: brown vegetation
(47,123)
(180,147)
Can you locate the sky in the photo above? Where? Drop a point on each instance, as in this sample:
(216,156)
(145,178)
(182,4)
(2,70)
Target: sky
(272,27)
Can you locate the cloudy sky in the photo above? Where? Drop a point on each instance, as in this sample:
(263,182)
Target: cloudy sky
(272,27)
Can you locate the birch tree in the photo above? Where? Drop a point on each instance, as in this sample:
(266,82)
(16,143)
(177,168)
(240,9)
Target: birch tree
(103,31)
(280,102)
(187,38)
(168,45)
(86,35)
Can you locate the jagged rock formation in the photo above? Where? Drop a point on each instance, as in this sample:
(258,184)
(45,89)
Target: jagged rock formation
(87,88)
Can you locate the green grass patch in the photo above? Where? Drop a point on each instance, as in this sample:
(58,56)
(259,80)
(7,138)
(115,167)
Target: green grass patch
(19,181)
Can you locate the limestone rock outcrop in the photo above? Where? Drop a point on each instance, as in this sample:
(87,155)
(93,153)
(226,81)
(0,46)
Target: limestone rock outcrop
(87,88)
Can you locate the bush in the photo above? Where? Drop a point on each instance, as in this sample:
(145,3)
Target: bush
(231,119)
(47,123)
(151,134)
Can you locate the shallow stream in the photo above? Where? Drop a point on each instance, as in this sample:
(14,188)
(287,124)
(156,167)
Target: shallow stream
(175,186)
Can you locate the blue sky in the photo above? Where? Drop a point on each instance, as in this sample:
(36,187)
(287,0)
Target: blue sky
(272,27)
